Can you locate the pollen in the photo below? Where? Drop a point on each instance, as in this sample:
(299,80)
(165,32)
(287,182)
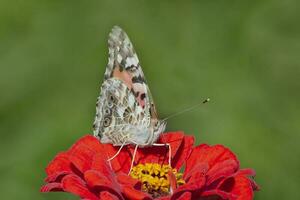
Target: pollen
(155,178)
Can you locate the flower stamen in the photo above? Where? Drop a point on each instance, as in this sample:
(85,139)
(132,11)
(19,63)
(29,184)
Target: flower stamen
(157,180)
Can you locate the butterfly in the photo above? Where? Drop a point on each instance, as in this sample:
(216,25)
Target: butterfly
(125,110)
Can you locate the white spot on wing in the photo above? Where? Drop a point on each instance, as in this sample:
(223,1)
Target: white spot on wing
(119,58)
(131,100)
(131,61)
(110,62)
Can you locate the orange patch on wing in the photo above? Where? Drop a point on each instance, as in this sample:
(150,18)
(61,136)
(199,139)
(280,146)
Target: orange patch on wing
(124,76)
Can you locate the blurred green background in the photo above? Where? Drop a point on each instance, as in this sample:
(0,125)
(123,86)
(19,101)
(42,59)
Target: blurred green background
(244,55)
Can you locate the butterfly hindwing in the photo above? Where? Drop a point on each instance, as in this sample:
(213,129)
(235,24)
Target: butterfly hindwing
(118,114)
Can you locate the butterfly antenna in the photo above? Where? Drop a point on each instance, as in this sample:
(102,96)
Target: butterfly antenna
(187,109)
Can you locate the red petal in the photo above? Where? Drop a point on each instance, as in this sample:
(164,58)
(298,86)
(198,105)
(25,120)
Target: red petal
(181,146)
(56,177)
(99,182)
(246,172)
(96,179)
(164,198)
(90,142)
(223,169)
(81,156)
(133,194)
(175,140)
(129,181)
(241,187)
(73,184)
(159,154)
(59,164)
(180,149)
(182,196)
(197,179)
(152,154)
(212,155)
(172,180)
(185,196)
(122,162)
(52,187)
(214,194)
(249,172)
(100,164)
(107,196)
(82,152)
(242,172)
(199,168)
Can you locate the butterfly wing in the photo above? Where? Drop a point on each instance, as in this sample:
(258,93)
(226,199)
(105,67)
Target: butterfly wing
(123,63)
(119,119)
(124,71)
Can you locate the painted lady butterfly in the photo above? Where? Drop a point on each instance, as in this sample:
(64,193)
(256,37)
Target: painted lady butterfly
(125,111)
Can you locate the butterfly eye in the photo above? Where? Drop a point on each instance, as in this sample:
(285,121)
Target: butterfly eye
(106,121)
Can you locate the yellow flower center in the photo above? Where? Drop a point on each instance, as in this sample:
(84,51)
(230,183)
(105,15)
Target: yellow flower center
(155,178)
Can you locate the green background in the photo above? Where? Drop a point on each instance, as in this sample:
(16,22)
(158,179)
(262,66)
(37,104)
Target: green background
(244,55)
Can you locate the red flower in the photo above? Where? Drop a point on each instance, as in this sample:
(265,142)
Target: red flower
(84,171)
(211,172)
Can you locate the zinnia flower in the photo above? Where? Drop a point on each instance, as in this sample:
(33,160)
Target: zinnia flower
(211,172)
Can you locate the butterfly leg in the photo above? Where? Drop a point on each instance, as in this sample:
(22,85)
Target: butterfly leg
(117,152)
(170,150)
(133,158)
